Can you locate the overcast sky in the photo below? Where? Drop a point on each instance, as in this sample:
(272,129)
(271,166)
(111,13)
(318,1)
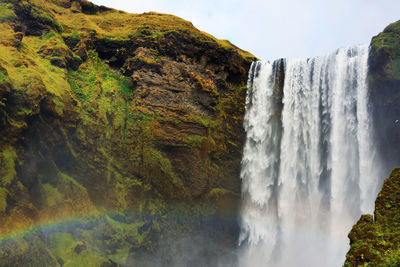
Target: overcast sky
(279,28)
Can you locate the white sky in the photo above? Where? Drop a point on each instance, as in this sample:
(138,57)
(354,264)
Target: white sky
(272,29)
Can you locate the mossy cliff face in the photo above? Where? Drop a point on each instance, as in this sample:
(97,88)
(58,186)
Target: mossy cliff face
(101,111)
(375,240)
(384,79)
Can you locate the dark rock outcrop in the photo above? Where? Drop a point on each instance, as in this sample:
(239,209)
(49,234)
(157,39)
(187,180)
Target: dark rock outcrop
(384,80)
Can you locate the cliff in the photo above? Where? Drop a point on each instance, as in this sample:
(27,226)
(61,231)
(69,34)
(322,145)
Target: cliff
(384,80)
(375,239)
(118,132)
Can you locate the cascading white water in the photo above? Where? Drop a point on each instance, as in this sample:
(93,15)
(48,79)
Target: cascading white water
(310,167)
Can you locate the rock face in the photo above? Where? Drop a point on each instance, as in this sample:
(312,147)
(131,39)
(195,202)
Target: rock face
(384,79)
(132,121)
(375,239)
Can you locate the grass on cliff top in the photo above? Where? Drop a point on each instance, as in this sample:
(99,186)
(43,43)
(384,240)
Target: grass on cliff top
(389,42)
(389,37)
(226,44)
(119,25)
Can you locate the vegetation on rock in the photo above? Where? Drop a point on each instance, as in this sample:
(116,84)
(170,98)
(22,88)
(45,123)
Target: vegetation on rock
(375,240)
(386,46)
(384,82)
(101,110)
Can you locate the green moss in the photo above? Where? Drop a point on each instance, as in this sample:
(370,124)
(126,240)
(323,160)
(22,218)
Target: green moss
(390,259)
(71,39)
(29,72)
(68,180)
(2,76)
(7,171)
(63,247)
(52,195)
(377,238)
(387,43)
(125,85)
(49,35)
(206,122)
(3,199)
(95,75)
(396,67)
(388,38)
(227,45)
(195,140)
(157,170)
(59,242)
(134,182)
(219,191)
(6,12)
(40,14)
(82,94)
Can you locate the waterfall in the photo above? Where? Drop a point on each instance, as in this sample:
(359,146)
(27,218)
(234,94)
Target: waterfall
(310,167)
